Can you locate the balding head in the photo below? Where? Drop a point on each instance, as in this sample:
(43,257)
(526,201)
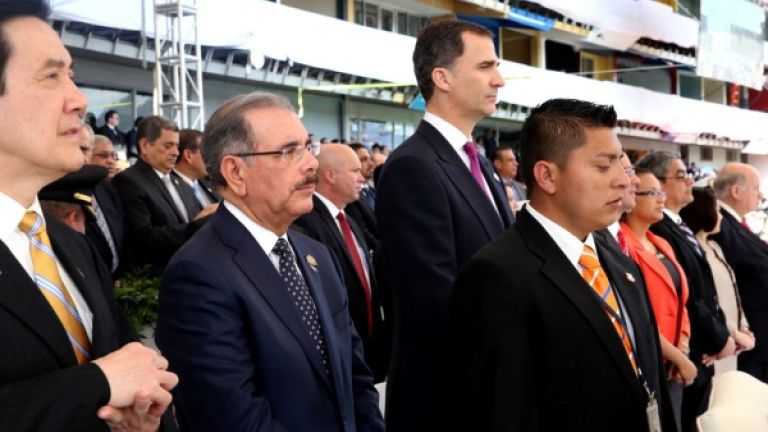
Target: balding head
(738,185)
(339,174)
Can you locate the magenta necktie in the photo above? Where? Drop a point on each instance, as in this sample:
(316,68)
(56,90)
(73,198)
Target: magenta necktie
(474,165)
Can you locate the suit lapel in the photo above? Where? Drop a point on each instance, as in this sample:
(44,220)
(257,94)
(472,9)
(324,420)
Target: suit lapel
(187,195)
(497,192)
(560,271)
(462,179)
(258,268)
(23,299)
(151,176)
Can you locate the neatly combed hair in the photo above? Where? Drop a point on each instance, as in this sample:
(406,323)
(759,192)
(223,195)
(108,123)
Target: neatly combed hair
(11,9)
(151,127)
(439,45)
(108,115)
(723,183)
(188,140)
(228,132)
(658,163)
(556,128)
(356,146)
(701,214)
(496,153)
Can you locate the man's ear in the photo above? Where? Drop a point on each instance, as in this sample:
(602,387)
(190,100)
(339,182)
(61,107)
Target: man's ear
(233,170)
(546,174)
(442,78)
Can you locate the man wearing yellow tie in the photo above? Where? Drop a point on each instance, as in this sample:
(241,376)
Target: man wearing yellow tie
(552,332)
(61,362)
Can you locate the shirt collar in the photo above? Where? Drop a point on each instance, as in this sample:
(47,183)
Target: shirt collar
(568,243)
(159,173)
(450,132)
(674,216)
(266,238)
(13,213)
(186,179)
(329,205)
(614,229)
(730,210)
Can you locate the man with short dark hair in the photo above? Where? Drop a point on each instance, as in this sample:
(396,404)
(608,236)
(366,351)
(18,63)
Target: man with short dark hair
(161,211)
(190,167)
(437,203)
(551,332)
(709,334)
(737,188)
(69,359)
(505,162)
(110,128)
(254,316)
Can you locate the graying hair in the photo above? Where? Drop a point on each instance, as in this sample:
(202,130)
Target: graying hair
(227,132)
(658,163)
(722,184)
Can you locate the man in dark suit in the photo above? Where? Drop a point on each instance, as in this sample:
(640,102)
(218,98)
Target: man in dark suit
(161,211)
(551,331)
(340,180)
(253,317)
(437,203)
(110,130)
(105,224)
(68,362)
(709,335)
(368,193)
(738,189)
(505,163)
(191,169)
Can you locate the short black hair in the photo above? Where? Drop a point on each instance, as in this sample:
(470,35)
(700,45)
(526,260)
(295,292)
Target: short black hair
(356,146)
(189,139)
(439,45)
(701,214)
(151,127)
(556,128)
(108,115)
(496,153)
(12,9)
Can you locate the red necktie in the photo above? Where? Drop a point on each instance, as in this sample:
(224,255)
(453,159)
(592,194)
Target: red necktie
(349,240)
(622,243)
(745,224)
(474,165)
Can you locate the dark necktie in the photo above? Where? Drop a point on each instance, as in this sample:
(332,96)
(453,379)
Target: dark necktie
(691,238)
(302,298)
(349,241)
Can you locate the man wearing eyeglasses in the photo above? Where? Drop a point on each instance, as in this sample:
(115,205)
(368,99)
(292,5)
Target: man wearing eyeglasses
(709,334)
(253,316)
(104,224)
(161,212)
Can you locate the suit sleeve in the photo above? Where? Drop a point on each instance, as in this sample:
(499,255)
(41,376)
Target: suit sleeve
(419,251)
(217,390)
(158,242)
(496,372)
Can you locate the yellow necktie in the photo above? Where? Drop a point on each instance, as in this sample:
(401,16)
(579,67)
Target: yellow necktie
(596,278)
(49,281)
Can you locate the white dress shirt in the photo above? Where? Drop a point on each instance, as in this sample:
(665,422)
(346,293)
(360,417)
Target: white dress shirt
(168,183)
(334,214)
(18,242)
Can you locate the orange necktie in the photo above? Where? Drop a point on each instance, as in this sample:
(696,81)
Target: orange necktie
(595,276)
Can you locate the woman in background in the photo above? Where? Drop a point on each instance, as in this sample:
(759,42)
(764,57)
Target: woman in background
(665,281)
(703,218)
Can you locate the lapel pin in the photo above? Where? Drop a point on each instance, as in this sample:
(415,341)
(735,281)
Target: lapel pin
(312,262)
(630,277)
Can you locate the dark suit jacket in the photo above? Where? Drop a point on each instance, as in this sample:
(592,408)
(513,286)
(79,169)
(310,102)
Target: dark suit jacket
(708,331)
(747,254)
(112,207)
(41,386)
(245,359)
(209,190)
(131,144)
(359,212)
(432,217)
(535,348)
(155,228)
(116,136)
(321,226)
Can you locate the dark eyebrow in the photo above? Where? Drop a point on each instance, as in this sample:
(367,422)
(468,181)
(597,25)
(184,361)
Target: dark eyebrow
(291,144)
(486,63)
(611,156)
(52,63)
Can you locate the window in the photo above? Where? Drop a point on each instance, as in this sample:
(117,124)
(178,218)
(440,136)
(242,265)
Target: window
(731,155)
(705,153)
(387,20)
(371,15)
(359,12)
(375,16)
(689,85)
(402,23)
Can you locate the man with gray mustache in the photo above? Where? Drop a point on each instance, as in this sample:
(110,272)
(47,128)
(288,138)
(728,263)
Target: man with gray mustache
(253,316)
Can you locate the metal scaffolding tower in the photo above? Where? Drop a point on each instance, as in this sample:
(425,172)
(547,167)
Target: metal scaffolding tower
(178,91)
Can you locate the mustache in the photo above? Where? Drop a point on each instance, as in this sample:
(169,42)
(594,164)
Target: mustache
(311,179)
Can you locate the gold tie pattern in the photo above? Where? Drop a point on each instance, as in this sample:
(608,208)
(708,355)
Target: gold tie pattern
(595,276)
(49,281)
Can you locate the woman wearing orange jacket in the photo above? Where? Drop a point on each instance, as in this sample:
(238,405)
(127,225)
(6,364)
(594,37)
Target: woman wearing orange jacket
(665,281)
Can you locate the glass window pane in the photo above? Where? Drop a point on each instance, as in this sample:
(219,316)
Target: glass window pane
(387,21)
(413,26)
(402,23)
(359,12)
(371,15)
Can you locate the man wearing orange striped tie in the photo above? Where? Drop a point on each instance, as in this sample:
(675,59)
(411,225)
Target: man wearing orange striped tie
(553,333)
(62,367)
